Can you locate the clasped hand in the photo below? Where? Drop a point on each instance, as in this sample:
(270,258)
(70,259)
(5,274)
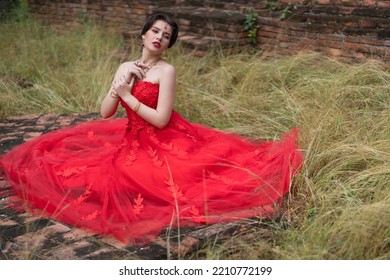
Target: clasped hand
(126,82)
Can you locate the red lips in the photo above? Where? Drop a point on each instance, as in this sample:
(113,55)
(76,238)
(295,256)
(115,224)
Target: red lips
(157,44)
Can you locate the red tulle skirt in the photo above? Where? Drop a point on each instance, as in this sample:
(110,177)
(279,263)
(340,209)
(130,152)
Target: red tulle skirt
(126,178)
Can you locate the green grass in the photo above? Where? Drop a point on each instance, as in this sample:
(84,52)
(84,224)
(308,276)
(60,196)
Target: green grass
(339,206)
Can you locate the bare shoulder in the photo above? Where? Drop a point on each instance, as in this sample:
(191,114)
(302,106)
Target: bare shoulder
(167,69)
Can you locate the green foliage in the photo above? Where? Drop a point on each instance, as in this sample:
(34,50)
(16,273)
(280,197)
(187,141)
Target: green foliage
(288,10)
(252,26)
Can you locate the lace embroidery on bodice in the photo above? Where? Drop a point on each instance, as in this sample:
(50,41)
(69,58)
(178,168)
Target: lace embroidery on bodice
(147,93)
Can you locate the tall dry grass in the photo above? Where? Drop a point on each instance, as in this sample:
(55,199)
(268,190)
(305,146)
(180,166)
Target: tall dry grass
(47,70)
(339,206)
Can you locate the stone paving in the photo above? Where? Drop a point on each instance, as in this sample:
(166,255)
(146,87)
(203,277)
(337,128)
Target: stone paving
(23,236)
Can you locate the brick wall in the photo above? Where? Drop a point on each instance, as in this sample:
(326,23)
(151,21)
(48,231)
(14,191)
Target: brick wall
(342,28)
(120,14)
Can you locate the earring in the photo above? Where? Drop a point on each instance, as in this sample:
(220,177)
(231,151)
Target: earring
(143,42)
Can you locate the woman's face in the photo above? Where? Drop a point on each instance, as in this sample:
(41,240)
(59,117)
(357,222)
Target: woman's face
(157,38)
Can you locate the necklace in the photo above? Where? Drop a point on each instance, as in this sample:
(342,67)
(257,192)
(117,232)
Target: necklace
(146,67)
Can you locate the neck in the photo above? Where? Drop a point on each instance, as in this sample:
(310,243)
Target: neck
(148,58)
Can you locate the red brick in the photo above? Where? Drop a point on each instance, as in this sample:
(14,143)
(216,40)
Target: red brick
(345,10)
(31,240)
(263,34)
(332,37)
(76,234)
(64,120)
(113,242)
(53,230)
(312,35)
(24,118)
(327,44)
(29,128)
(5,222)
(67,251)
(333,52)
(44,119)
(271,22)
(384,4)
(8,138)
(369,3)
(270,29)
(365,23)
(348,2)
(28,218)
(359,55)
(31,135)
(350,24)
(8,124)
(364,40)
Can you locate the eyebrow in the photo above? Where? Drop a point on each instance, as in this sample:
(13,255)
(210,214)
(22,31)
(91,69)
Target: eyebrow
(160,29)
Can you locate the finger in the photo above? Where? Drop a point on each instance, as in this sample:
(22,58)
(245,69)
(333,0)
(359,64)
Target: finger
(140,75)
(132,82)
(138,71)
(142,65)
(123,82)
(127,78)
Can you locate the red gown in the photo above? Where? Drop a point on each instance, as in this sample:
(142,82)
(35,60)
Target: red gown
(127,178)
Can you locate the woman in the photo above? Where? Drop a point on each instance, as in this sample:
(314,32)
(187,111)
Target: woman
(133,177)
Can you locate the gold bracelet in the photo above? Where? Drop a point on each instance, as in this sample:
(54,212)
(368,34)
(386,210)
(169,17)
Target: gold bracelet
(136,108)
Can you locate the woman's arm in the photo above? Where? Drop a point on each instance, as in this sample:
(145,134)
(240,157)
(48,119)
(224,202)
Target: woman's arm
(160,116)
(126,71)
(110,102)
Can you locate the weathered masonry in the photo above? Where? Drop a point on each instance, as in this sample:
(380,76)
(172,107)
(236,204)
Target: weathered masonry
(353,29)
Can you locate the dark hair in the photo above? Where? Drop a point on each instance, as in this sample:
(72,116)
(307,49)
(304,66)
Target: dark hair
(175,28)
